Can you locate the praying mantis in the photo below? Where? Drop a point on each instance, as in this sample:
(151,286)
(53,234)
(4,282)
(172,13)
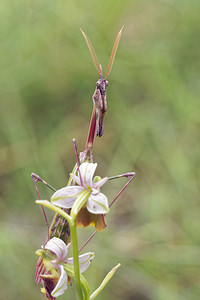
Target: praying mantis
(99,96)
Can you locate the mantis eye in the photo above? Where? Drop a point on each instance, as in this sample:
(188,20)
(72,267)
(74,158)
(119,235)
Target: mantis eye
(106,83)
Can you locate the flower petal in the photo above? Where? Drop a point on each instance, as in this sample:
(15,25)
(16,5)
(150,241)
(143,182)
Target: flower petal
(66,196)
(87,172)
(58,247)
(97,203)
(84,260)
(98,184)
(61,285)
(75,178)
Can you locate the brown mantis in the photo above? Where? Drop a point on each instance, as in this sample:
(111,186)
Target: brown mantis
(99,96)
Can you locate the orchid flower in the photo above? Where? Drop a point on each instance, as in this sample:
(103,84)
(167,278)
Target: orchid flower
(55,280)
(97,203)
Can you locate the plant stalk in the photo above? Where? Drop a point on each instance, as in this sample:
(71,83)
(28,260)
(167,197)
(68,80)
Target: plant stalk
(79,203)
(75,256)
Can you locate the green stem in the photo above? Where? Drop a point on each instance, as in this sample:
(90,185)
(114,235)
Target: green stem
(78,204)
(76,261)
(85,287)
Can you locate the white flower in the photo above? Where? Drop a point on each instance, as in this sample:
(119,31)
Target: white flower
(97,202)
(56,279)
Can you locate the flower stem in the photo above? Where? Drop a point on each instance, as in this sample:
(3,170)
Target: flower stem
(80,201)
(85,286)
(75,256)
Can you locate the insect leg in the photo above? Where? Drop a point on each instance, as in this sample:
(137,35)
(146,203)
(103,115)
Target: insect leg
(129,175)
(97,100)
(99,130)
(36,178)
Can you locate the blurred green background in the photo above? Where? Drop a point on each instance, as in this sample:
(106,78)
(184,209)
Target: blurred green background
(47,79)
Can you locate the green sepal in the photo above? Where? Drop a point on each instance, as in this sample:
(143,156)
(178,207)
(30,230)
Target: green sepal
(104,282)
(43,254)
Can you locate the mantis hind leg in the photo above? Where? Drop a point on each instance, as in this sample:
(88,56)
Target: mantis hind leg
(130,176)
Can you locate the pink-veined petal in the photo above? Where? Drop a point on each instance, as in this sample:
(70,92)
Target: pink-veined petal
(66,196)
(98,184)
(97,203)
(87,172)
(61,285)
(84,260)
(75,178)
(58,247)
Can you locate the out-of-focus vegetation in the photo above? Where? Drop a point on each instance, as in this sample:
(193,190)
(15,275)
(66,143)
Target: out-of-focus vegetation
(47,79)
